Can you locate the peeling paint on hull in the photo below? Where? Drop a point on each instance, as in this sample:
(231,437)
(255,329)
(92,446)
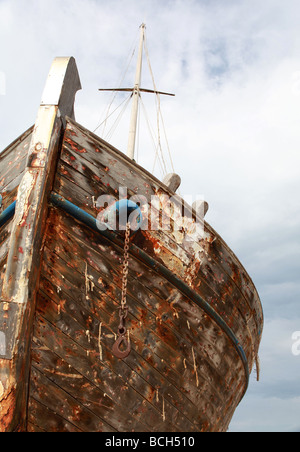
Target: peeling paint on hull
(195,319)
(183,373)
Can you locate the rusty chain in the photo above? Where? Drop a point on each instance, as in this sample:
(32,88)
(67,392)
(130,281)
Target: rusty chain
(125,267)
(123,309)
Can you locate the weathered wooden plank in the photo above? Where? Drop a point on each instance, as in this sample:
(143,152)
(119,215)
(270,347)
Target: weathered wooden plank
(8,174)
(32,428)
(9,191)
(171,328)
(210,271)
(53,289)
(2,273)
(219,250)
(216,280)
(71,243)
(11,194)
(12,167)
(90,155)
(85,145)
(94,256)
(88,365)
(97,300)
(59,401)
(70,246)
(84,161)
(75,187)
(227,306)
(82,145)
(5,232)
(102,303)
(22,273)
(80,388)
(5,324)
(68,322)
(183,373)
(42,419)
(67,307)
(15,151)
(89,272)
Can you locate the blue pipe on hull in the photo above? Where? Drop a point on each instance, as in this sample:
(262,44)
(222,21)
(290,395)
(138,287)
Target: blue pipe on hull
(7,214)
(124,208)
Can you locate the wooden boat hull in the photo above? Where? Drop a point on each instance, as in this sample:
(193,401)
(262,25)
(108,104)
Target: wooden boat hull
(195,318)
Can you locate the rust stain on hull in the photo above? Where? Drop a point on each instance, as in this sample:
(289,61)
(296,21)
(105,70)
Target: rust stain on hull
(184,372)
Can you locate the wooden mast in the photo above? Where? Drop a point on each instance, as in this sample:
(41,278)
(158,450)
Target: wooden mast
(135,97)
(17,304)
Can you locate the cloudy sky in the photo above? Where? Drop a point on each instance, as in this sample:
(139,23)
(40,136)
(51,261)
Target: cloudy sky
(233,130)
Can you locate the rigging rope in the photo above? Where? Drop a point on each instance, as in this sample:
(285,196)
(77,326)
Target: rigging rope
(125,100)
(157,155)
(156,139)
(159,113)
(117,120)
(114,93)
